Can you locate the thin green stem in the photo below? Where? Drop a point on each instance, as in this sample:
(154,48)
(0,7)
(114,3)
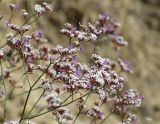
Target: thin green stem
(35,103)
(114,109)
(34,20)
(24,108)
(56,107)
(80,110)
(5,90)
(15,69)
(11,92)
(30,93)
(26,72)
(10,97)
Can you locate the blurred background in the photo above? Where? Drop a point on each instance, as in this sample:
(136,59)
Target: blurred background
(140,26)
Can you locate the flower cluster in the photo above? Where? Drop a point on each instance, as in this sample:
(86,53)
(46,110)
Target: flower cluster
(96,112)
(72,32)
(43,8)
(19,29)
(104,26)
(1,53)
(132,97)
(14,6)
(54,103)
(11,122)
(129,118)
(63,115)
(125,65)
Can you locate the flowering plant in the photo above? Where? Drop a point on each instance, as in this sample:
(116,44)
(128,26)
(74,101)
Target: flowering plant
(63,79)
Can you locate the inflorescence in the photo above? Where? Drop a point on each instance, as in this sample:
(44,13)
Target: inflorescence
(61,65)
